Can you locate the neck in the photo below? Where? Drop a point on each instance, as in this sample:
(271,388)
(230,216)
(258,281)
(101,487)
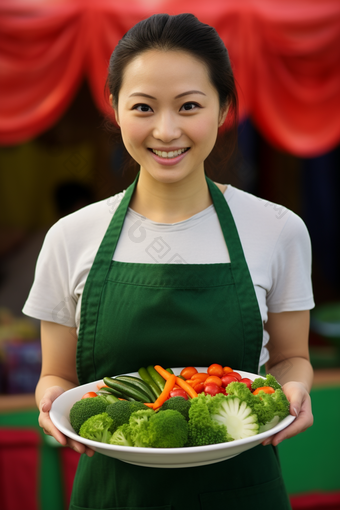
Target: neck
(170,202)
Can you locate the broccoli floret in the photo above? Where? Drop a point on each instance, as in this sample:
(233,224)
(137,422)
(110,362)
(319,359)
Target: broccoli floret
(238,418)
(168,429)
(97,428)
(202,429)
(121,411)
(179,404)
(138,425)
(281,403)
(122,436)
(262,405)
(240,390)
(267,406)
(268,381)
(84,409)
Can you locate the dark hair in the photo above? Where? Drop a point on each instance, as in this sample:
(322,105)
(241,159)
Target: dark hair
(181,32)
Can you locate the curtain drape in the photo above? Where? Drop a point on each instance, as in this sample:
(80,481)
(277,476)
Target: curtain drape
(285,55)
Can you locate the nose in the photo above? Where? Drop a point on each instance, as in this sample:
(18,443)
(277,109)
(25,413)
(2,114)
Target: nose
(167,127)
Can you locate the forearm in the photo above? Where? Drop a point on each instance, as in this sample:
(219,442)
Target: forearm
(47,381)
(296,369)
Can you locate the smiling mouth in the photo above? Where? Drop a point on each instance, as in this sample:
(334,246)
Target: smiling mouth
(171,154)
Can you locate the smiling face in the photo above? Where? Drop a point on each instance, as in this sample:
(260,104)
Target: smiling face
(169,113)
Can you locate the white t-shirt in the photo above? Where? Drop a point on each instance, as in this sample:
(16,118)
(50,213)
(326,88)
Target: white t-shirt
(275,241)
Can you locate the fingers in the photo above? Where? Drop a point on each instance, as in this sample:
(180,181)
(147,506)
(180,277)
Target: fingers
(80,448)
(49,396)
(300,406)
(46,424)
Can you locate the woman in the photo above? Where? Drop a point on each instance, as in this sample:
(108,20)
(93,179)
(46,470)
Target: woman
(177,270)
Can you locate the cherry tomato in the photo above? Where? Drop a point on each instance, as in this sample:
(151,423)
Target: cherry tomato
(198,386)
(247,381)
(227,379)
(200,376)
(236,374)
(212,389)
(215,369)
(227,370)
(214,379)
(188,372)
(90,394)
(178,393)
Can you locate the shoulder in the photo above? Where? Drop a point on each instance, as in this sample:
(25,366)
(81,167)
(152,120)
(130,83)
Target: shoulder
(262,216)
(86,223)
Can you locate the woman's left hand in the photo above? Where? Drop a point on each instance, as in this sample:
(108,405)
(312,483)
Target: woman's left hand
(300,406)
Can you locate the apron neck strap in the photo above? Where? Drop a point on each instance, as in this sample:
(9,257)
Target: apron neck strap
(225,217)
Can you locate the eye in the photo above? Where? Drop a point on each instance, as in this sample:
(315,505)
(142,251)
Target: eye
(188,107)
(144,108)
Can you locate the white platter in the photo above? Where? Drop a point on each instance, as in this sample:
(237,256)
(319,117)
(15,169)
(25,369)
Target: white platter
(158,457)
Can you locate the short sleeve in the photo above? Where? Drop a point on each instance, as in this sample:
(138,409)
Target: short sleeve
(50,297)
(291,283)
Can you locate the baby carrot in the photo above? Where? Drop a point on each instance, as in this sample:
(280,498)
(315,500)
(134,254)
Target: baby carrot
(169,385)
(266,389)
(183,384)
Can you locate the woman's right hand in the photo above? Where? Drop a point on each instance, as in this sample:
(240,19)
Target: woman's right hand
(46,424)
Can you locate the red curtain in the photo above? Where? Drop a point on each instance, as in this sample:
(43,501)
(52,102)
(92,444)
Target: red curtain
(285,55)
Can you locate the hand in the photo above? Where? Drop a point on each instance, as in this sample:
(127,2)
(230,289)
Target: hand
(300,406)
(46,424)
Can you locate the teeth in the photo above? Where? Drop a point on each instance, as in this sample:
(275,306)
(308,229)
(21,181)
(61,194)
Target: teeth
(171,154)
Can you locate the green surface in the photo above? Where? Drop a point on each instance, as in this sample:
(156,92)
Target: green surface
(310,461)
(50,487)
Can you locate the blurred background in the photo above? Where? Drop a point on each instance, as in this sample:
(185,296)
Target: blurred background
(57,154)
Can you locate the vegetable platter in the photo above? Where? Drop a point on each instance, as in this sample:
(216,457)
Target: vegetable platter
(189,456)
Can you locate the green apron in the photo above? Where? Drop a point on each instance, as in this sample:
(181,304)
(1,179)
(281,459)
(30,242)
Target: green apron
(135,315)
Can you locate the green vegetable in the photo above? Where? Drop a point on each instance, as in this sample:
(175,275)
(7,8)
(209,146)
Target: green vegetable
(126,389)
(179,404)
(97,428)
(158,379)
(115,393)
(281,403)
(238,418)
(146,377)
(265,405)
(110,399)
(138,426)
(262,405)
(122,436)
(137,383)
(167,429)
(121,411)
(202,429)
(84,409)
(268,381)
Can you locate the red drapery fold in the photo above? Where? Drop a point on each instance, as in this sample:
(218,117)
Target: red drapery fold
(285,55)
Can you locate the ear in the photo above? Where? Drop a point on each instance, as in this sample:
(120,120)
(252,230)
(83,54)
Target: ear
(115,110)
(223,115)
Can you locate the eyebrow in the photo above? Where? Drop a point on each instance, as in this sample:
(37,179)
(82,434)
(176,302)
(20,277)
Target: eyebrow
(179,95)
